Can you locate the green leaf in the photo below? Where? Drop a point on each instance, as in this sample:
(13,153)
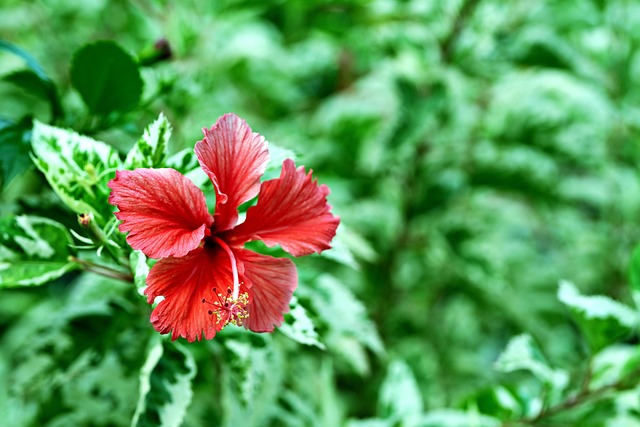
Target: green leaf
(251,377)
(299,327)
(400,398)
(183,161)
(349,329)
(277,155)
(615,364)
(601,319)
(151,150)
(522,353)
(34,84)
(348,246)
(634,269)
(165,385)
(457,418)
(77,167)
(31,62)
(140,268)
(107,78)
(186,162)
(33,251)
(14,149)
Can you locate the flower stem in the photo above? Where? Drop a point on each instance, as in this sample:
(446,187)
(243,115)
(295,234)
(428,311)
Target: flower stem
(87,222)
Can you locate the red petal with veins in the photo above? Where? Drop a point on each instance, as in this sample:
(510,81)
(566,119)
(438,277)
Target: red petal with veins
(292,211)
(163,211)
(272,282)
(235,158)
(184,282)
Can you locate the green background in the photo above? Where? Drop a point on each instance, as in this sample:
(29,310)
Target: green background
(478,152)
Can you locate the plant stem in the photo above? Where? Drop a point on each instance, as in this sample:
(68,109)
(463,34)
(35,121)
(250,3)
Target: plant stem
(583,396)
(87,221)
(466,11)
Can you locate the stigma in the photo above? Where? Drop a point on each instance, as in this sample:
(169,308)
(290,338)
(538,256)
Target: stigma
(228,309)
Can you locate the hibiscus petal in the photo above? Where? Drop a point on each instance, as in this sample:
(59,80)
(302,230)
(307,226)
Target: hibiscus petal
(184,283)
(272,282)
(235,158)
(292,211)
(163,211)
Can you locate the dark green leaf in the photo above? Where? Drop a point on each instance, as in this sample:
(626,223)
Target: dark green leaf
(634,269)
(14,149)
(34,84)
(107,78)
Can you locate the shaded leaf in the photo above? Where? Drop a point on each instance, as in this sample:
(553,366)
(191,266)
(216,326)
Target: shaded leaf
(31,62)
(14,148)
(634,269)
(34,84)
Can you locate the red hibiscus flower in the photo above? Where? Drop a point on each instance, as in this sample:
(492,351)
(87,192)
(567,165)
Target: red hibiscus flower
(205,275)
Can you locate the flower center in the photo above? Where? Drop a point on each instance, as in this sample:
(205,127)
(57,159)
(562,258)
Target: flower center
(234,267)
(228,309)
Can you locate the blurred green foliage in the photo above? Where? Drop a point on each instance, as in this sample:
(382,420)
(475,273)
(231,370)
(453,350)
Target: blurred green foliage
(478,152)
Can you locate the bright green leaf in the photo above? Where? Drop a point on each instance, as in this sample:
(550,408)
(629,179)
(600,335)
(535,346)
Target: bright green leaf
(400,397)
(277,155)
(33,251)
(299,327)
(107,78)
(77,167)
(251,378)
(350,330)
(140,268)
(151,150)
(522,353)
(614,364)
(602,319)
(456,418)
(165,385)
